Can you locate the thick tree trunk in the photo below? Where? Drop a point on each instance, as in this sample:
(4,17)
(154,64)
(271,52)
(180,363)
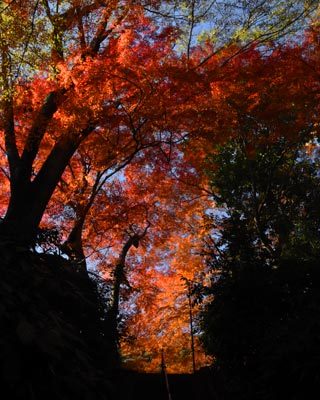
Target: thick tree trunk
(22,217)
(29,199)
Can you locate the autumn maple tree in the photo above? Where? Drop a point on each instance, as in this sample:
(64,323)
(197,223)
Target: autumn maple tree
(155,272)
(71,69)
(85,88)
(109,112)
(268,96)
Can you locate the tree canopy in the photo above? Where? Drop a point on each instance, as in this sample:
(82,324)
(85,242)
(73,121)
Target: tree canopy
(154,143)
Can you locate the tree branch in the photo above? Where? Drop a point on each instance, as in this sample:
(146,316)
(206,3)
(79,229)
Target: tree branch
(8,115)
(39,127)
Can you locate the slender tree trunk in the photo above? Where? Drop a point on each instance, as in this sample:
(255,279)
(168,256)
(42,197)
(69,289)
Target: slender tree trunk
(73,246)
(191,328)
(165,375)
(118,280)
(114,311)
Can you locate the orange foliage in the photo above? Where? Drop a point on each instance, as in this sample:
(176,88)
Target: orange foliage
(128,110)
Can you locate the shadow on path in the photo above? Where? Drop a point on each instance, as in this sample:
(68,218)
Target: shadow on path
(138,386)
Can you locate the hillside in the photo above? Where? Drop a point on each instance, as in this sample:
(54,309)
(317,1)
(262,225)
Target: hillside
(53,341)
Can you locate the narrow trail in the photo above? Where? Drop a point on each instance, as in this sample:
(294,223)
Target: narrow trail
(139,386)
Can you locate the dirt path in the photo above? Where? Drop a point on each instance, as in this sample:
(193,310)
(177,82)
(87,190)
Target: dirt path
(138,386)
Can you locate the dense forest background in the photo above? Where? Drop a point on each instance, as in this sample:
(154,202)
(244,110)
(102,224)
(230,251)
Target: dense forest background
(160,197)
